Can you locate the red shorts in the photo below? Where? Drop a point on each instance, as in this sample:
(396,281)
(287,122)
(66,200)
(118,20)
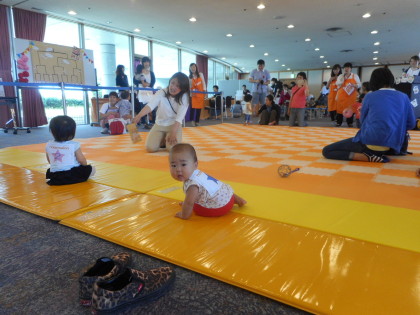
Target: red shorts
(214,212)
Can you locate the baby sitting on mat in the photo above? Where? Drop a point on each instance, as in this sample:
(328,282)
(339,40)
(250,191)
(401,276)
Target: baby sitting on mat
(204,194)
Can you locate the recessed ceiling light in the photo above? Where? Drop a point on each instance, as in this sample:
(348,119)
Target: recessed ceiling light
(205,51)
(288,68)
(375,58)
(366,15)
(376,63)
(276,60)
(328,66)
(321,57)
(223,58)
(261,6)
(252,46)
(307,39)
(137,30)
(229,35)
(71,12)
(178,42)
(376,52)
(374,32)
(235,63)
(243,68)
(108,22)
(377,43)
(325,61)
(193,19)
(290,26)
(265,54)
(317,49)
(283,65)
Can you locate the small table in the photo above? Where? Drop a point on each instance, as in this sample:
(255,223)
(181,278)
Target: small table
(10,102)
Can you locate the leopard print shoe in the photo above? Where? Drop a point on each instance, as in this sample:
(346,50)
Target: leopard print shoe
(132,286)
(105,268)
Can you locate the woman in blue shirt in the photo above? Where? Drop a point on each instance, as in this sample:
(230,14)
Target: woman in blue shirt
(386,116)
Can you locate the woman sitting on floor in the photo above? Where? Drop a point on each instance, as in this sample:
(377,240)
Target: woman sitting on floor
(386,116)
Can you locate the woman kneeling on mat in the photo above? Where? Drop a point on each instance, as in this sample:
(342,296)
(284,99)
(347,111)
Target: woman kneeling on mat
(172,104)
(207,196)
(386,116)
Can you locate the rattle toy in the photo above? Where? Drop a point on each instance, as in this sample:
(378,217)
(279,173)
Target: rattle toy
(285,170)
(134,134)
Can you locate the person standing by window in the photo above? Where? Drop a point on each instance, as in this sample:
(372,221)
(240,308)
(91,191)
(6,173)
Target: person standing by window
(146,79)
(197,83)
(120,77)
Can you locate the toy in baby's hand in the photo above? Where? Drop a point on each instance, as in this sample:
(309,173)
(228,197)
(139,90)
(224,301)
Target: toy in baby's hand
(134,134)
(285,170)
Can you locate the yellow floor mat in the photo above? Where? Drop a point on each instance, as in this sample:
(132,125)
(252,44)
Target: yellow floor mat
(319,272)
(349,218)
(22,158)
(27,190)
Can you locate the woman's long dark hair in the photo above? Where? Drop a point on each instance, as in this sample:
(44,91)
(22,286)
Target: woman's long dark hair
(120,70)
(184,85)
(336,66)
(196,71)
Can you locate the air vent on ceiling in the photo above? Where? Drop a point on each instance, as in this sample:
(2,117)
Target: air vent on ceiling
(279,17)
(346,50)
(337,32)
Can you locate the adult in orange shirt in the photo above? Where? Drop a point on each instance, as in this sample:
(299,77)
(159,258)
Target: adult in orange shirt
(348,84)
(331,85)
(197,83)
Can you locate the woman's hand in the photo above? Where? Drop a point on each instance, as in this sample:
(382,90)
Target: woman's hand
(171,138)
(136,119)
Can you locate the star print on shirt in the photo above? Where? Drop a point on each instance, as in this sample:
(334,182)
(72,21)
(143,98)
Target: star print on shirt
(58,156)
(212,179)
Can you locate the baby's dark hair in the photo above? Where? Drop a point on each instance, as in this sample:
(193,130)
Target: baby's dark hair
(113,94)
(63,128)
(248,98)
(125,95)
(183,147)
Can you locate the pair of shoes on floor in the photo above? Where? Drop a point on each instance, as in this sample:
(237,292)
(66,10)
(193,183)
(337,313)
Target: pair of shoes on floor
(110,285)
(147,126)
(105,131)
(376,158)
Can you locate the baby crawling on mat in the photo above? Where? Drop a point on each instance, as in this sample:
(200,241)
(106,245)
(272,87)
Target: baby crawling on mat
(204,194)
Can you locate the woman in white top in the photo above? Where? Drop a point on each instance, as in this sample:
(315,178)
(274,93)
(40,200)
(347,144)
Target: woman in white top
(414,67)
(172,104)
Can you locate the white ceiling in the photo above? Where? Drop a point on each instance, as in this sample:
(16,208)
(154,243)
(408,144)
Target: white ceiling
(397,23)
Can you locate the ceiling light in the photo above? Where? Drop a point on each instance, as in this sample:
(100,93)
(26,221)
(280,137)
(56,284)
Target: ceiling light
(328,66)
(321,57)
(265,54)
(307,39)
(325,61)
(252,46)
(376,63)
(276,60)
(243,68)
(137,30)
(316,49)
(290,26)
(178,42)
(377,43)
(205,51)
(375,58)
(223,58)
(193,19)
(374,32)
(376,52)
(108,22)
(283,65)
(366,15)
(261,6)
(71,12)
(288,68)
(235,63)
(229,35)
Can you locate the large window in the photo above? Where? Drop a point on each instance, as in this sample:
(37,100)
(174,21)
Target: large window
(220,72)
(165,64)
(109,50)
(210,71)
(187,59)
(141,47)
(55,30)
